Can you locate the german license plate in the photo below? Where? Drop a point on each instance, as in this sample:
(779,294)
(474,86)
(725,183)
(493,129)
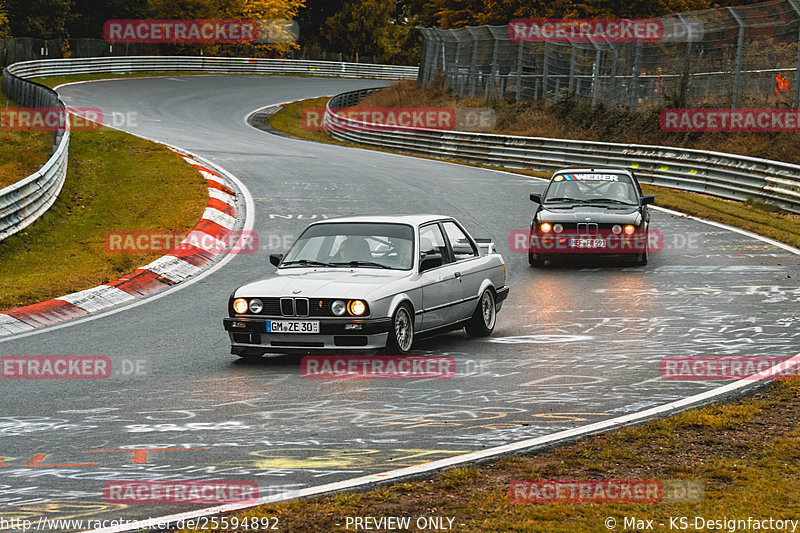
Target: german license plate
(587,243)
(292,326)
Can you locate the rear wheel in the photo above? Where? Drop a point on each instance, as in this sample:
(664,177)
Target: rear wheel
(485,316)
(401,336)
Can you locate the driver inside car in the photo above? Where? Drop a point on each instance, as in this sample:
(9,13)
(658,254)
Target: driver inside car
(353,248)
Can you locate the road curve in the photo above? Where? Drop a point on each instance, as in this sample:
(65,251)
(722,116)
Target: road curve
(573,345)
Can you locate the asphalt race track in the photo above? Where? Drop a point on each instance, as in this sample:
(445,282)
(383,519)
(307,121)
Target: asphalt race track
(573,344)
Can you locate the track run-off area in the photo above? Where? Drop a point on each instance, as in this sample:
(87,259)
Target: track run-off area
(574,344)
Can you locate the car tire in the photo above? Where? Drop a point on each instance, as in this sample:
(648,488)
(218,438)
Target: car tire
(535,260)
(485,316)
(642,260)
(401,335)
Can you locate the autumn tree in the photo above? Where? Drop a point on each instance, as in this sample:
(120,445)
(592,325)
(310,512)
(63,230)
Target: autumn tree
(44,19)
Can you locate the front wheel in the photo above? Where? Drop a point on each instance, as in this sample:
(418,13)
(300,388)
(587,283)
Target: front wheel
(483,319)
(401,336)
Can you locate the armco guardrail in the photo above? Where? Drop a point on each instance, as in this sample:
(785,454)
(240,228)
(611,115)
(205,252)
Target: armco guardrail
(25,201)
(213,65)
(719,174)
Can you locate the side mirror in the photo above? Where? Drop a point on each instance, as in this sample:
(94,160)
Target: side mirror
(430,261)
(275,259)
(536,198)
(648,199)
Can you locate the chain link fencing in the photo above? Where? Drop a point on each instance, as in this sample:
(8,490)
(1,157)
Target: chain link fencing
(727,57)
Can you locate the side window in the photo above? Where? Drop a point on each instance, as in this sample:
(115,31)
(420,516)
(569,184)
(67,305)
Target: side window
(431,241)
(461,245)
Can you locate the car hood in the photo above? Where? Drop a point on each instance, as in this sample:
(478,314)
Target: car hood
(322,283)
(595,213)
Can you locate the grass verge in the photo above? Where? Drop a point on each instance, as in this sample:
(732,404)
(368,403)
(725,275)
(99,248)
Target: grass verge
(115,182)
(21,152)
(733,460)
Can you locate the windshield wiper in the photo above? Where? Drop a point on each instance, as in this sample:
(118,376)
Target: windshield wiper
(362,263)
(607,200)
(307,262)
(562,199)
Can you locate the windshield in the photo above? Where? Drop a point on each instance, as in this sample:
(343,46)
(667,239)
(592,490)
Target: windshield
(347,244)
(591,187)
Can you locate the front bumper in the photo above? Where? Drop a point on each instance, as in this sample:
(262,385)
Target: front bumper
(249,335)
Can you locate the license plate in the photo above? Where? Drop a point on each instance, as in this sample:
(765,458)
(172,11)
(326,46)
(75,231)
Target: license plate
(292,326)
(587,243)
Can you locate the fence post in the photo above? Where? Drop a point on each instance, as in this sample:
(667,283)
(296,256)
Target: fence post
(688,62)
(473,64)
(519,71)
(493,78)
(637,64)
(455,75)
(545,68)
(596,74)
(572,68)
(737,77)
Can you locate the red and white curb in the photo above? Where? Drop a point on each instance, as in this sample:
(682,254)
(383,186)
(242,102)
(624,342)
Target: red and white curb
(200,247)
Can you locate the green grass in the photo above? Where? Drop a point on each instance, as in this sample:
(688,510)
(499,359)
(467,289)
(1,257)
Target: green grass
(115,181)
(22,152)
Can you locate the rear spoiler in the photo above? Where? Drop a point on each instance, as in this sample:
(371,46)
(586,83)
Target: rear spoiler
(486,246)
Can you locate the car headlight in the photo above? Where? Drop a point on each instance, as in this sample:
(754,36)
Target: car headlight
(240,305)
(356,307)
(338,307)
(616,229)
(545,227)
(558,228)
(629,229)
(256,306)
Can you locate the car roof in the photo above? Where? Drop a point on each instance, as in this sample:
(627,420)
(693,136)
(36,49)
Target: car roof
(414,220)
(595,170)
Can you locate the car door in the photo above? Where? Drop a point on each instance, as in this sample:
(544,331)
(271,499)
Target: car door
(469,272)
(441,287)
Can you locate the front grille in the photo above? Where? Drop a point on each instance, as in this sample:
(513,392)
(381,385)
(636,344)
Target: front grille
(287,306)
(585,228)
(301,306)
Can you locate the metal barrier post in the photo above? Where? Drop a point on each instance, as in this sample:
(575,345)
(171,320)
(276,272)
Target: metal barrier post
(737,79)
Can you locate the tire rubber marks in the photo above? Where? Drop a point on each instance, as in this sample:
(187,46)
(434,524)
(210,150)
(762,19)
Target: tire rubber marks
(185,261)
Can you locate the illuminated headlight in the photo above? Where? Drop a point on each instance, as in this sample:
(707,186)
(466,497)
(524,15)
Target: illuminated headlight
(256,306)
(545,227)
(629,229)
(356,307)
(616,229)
(240,305)
(558,228)
(338,307)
